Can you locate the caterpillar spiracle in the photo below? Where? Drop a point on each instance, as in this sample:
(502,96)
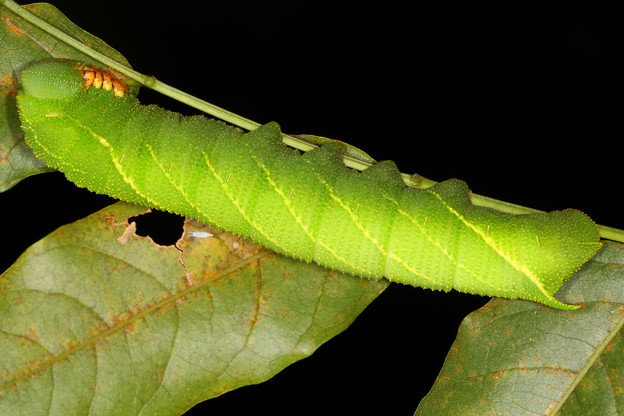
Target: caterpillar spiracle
(308,206)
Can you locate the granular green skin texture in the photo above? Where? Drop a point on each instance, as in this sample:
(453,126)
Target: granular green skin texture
(307,206)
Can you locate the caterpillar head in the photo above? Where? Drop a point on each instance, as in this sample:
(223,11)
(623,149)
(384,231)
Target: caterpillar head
(52,79)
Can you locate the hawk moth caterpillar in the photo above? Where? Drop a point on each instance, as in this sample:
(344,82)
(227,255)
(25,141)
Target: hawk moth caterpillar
(307,206)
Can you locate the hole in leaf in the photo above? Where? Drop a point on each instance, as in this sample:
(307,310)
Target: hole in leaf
(162,227)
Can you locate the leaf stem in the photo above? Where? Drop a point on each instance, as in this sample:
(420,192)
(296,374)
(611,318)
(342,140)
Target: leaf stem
(416,181)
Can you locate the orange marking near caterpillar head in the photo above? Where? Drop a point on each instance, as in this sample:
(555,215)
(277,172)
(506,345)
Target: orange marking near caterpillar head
(106,80)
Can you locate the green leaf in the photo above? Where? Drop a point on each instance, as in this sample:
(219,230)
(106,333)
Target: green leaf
(97,320)
(519,358)
(23,43)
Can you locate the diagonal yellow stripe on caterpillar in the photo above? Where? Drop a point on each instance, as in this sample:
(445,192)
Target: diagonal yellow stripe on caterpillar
(490,242)
(47,149)
(299,220)
(365,232)
(238,207)
(117,163)
(435,243)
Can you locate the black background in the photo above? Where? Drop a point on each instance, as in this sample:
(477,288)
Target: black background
(522,100)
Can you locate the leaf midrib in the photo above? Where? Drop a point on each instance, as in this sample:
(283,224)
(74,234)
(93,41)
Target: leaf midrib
(589,363)
(42,366)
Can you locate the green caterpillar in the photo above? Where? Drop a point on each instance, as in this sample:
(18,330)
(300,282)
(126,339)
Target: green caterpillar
(308,206)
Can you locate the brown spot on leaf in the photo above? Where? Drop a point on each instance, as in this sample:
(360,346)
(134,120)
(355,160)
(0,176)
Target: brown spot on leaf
(14,29)
(31,334)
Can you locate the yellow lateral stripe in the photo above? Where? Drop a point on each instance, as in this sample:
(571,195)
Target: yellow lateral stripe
(286,200)
(421,228)
(240,209)
(298,219)
(352,216)
(366,234)
(490,243)
(46,149)
(171,181)
(116,163)
(355,220)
